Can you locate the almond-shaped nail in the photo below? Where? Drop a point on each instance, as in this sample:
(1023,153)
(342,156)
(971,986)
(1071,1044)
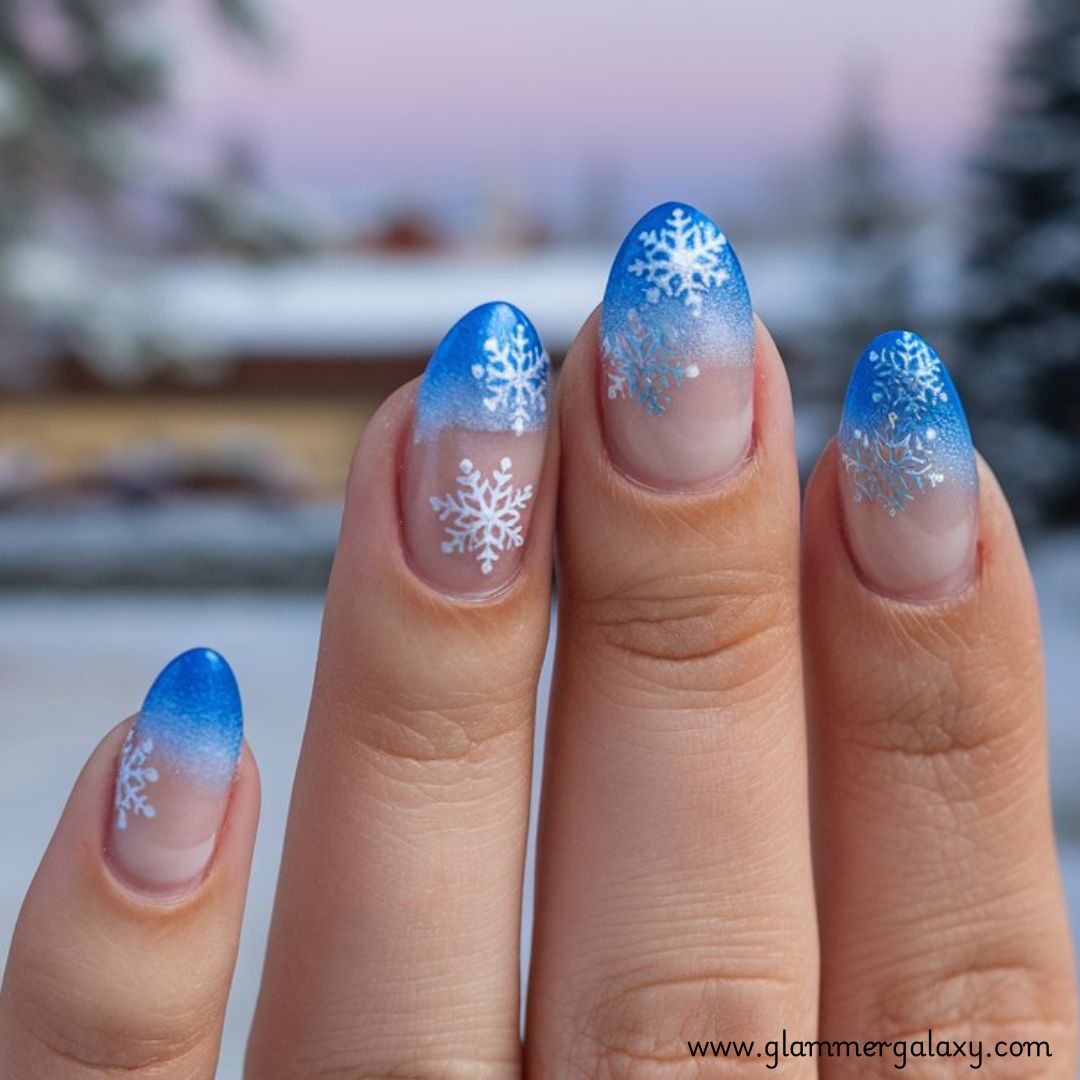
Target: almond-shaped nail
(175,774)
(909,485)
(677,352)
(477,450)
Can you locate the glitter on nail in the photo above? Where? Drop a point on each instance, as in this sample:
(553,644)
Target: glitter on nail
(904,432)
(676,302)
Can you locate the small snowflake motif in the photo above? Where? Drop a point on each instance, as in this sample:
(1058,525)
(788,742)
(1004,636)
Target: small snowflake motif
(132,778)
(682,259)
(640,366)
(907,378)
(515,378)
(891,468)
(484,516)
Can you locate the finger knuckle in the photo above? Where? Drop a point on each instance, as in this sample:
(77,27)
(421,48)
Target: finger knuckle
(951,698)
(451,688)
(997,1005)
(108,1032)
(933,723)
(716,629)
(412,1069)
(464,726)
(646,1028)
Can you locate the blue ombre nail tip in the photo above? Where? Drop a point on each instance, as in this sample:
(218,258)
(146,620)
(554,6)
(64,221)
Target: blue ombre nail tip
(676,299)
(193,717)
(490,373)
(903,431)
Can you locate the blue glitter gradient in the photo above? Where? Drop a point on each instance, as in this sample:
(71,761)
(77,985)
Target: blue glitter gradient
(194,716)
(700,310)
(903,430)
(456,393)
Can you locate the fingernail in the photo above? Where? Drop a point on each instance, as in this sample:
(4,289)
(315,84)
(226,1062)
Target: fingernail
(909,484)
(677,351)
(476,453)
(175,774)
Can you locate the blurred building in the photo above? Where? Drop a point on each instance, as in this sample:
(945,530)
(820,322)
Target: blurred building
(198,390)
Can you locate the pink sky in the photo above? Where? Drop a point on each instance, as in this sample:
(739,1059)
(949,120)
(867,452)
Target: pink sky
(675,96)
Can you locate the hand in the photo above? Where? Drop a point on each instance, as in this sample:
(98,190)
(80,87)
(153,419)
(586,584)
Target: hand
(682,831)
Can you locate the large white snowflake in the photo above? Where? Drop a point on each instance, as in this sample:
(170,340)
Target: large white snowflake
(515,377)
(682,259)
(640,365)
(483,515)
(132,778)
(891,468)
(907,377)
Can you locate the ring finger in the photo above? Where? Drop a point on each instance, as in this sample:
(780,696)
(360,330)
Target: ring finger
(940,905)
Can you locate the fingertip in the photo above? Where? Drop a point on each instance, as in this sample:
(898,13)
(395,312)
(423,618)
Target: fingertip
(999,539)
(379,444)
(1001,576)
(391,538)
(821,534)
(236,841)
(107,975)
(581,419)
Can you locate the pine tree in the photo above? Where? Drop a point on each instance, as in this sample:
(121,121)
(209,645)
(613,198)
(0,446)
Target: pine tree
(77,80)
(76,77)
(1021,376)
(866,219)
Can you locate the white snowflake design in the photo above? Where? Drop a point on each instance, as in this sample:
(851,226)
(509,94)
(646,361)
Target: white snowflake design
(515,378)
(682,259)
(907,378)
(484,515)
(891,468)
(132,778)
(896,460)
(641,366)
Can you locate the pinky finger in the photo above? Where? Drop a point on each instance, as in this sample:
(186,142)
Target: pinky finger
(123,953)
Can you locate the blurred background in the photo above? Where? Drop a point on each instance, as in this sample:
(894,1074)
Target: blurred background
(228,228)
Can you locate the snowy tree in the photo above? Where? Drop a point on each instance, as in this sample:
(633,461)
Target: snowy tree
(866,219)
(1021,378)
(78,79)
(863,198)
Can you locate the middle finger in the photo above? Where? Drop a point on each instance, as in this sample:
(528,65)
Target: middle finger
(675,899)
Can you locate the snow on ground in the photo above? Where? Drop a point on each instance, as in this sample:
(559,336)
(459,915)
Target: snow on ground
(71,666)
